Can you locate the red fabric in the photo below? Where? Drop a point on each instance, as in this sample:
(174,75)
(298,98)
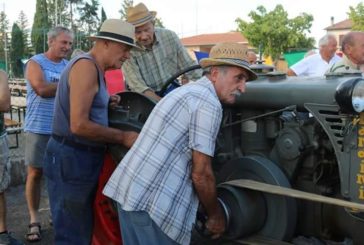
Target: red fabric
(106,222)
(114,81)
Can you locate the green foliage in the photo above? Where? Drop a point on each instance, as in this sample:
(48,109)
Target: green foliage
(159,23)
(58,13)
(357,16)
(16,51)
(103,15)
(72,4)
(274,32)
(4,37)
(89,23)
(22,23)
(40,27)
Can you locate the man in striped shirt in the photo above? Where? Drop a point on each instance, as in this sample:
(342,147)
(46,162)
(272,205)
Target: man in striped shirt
(167,172)
(42,75)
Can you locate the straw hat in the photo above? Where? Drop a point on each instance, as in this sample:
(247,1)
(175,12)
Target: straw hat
(116,30)
(139,15)
(231,54)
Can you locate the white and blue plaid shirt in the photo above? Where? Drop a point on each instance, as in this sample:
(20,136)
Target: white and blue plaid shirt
(155,174)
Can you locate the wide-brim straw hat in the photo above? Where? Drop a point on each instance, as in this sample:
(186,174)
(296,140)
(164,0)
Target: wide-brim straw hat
(139,15)
(231,54)
(118,31)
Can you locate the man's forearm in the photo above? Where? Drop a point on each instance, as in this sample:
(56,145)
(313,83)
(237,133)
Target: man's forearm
(47,90)
(205,187)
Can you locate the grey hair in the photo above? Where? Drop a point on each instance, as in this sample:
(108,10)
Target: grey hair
(222,68)
(54,32)
(325,39)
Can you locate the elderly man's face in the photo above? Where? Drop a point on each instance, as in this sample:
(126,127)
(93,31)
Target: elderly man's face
(118,54)
(356,52)
(61,45)
(229,81)
(330,48)
(144,34)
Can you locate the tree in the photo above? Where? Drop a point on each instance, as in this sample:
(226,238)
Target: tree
(103,15)
(159,23)
(357,16)
(16,50)
(58,13)
(89,23)
(72,4)
(40,27)
(274,32)
(4,39)
(22,23)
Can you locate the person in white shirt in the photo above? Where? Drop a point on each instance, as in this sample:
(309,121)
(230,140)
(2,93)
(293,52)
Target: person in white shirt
(317,64)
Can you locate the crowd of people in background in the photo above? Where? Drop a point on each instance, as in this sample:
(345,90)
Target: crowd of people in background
(167,171)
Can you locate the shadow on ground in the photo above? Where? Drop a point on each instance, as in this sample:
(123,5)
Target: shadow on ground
(18,217)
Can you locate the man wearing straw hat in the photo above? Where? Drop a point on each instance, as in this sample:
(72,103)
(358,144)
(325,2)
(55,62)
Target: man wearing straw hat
(161,55)
(160,181)
(75,151)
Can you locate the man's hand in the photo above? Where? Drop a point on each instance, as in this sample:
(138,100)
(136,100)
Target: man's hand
(151,94)
(114,100)
(129,137)
(216,224)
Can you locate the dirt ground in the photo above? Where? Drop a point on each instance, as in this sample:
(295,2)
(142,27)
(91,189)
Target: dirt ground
(18,217)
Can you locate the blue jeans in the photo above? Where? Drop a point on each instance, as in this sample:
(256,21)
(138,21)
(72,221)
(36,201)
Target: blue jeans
(72,177)
(137,228)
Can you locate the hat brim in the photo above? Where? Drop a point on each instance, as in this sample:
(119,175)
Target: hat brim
(145,20)
(206,62)
(93,38)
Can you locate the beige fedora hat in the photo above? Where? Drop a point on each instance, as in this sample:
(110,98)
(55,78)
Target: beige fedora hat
(118,31)
(139,15)
(232,54)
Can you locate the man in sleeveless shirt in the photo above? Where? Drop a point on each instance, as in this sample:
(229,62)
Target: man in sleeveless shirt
(5,237)
(42,75)
(75,151)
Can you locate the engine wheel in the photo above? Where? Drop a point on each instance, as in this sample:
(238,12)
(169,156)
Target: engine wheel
(278,215)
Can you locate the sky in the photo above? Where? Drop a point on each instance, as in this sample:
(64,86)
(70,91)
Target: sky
(194,17)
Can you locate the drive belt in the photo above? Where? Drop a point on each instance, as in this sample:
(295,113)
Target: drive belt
(284,191)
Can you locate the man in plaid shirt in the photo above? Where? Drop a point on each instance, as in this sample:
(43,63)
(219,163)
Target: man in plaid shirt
(168,170)
(160,54)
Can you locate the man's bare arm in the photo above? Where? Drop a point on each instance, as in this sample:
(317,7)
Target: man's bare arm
(35,76)
(204,182)
(83,82)
(4,92)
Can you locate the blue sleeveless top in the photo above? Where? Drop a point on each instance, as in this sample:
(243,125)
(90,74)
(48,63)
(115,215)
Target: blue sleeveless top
(39,114)
(99,107)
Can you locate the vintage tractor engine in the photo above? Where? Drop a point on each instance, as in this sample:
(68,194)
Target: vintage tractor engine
(289,159)
(303,134)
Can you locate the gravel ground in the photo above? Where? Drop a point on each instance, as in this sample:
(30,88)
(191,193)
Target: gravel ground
(18,217)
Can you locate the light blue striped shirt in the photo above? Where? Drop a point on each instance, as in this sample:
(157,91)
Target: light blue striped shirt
(155,174)
(39,114)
